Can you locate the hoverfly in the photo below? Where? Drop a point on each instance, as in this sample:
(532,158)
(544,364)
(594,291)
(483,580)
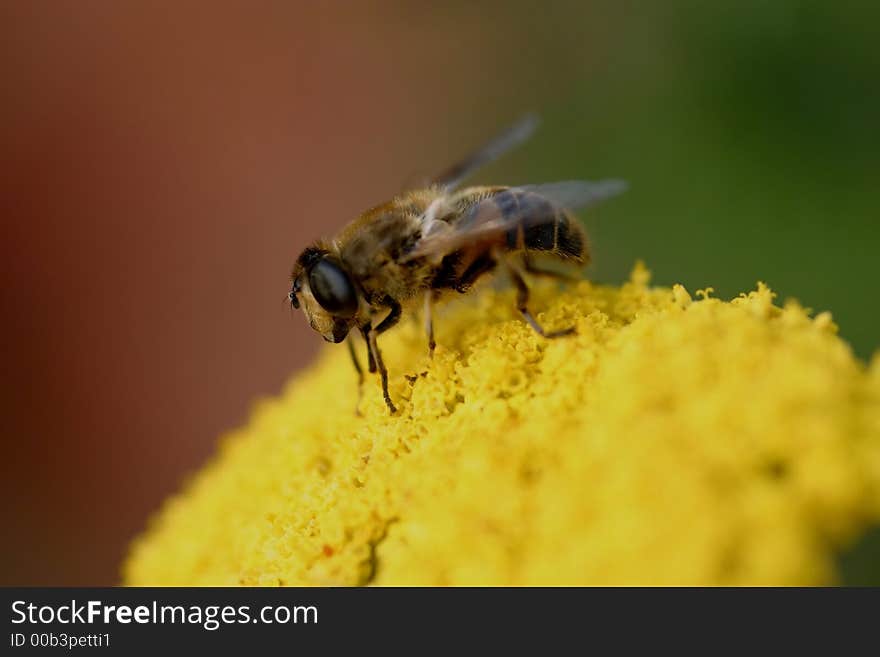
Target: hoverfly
(439,239)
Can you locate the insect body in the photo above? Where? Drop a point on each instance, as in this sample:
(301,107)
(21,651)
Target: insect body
(426,242)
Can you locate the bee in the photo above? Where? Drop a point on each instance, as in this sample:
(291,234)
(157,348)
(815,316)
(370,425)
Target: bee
(436,240)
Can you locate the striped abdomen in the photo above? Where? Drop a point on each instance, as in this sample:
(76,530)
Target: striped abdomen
(509,220)
(536,224)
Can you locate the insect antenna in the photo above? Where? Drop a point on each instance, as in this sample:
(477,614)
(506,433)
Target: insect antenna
(286,301)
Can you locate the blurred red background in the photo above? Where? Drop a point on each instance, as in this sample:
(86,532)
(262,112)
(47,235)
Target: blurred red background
(163,165)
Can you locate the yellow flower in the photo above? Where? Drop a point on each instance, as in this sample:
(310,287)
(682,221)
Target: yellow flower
(671,441)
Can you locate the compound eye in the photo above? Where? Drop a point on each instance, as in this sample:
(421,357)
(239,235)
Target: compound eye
(332,288)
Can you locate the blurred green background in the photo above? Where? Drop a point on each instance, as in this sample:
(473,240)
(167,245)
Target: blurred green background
(165,162)
(749,133)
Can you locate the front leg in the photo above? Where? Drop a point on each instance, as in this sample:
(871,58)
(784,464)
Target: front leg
(392,317)
(383,372)
(371,361)
(390,320)
(360,374)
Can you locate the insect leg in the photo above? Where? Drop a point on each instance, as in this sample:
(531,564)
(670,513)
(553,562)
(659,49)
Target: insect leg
(429,321)
(522,303)
(531,268)
(481,265)
(360,373)
(382,371)
(392,318)
(371,361)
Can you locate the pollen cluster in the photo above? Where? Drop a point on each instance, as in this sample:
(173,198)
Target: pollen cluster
(672,440)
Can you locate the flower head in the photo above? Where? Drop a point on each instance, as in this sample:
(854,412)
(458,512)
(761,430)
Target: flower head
(670,441)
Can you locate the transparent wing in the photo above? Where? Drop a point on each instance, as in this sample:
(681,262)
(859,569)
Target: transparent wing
(506,141)
(512,207)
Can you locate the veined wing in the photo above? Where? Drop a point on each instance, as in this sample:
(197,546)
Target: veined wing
(512,207)
(506,141)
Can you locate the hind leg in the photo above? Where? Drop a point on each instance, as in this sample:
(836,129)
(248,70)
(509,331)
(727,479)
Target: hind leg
(522,303)
(531,268)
